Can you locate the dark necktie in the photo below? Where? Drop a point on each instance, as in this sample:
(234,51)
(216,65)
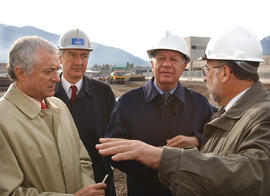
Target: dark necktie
(43,106)
(218,113)
(73,93)
(222,110)
(166,98)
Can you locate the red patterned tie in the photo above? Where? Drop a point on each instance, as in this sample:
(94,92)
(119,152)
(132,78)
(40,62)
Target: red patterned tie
(43,106)
(73,93)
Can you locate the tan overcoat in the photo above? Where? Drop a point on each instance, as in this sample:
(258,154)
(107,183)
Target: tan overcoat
(40,150)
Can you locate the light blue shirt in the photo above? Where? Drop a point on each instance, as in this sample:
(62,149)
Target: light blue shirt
(161,91)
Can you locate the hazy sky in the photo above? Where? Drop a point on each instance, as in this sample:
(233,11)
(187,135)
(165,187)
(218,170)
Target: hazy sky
(135,25)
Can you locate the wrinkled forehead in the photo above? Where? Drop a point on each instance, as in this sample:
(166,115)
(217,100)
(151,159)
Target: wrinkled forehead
(167,52)
(76,51)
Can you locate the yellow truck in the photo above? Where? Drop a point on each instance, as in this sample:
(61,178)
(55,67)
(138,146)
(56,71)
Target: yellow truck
(117,78)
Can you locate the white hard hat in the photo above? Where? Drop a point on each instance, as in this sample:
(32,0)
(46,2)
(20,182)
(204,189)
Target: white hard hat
(237,44)
(171,42)
(74,39)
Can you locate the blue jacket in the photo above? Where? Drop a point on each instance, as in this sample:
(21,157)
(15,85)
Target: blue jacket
(138,114)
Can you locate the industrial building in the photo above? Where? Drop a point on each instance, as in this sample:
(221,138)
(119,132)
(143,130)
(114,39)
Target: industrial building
(196,47)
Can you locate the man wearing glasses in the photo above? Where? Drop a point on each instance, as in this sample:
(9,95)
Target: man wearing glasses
(235,154)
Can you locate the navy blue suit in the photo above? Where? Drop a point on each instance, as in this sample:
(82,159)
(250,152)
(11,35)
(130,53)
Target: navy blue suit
(91,112)
(140,114)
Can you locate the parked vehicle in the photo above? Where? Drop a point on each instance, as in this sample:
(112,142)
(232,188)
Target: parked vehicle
(117,78)
(134,77)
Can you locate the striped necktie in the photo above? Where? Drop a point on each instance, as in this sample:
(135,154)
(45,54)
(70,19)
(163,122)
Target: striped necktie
(166,98)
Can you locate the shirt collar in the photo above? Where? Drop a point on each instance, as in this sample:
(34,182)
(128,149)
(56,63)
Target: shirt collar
(150,91)
(36,102)
(26,106)
(66,85)
(230,104)
(161,91)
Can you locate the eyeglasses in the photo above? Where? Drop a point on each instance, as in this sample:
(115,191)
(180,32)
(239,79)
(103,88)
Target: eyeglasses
(206,69)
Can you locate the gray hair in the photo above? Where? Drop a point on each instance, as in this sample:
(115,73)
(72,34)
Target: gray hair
(23,53)
(243,70)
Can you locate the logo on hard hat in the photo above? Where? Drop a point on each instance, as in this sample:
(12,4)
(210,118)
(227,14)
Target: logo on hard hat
(77,41)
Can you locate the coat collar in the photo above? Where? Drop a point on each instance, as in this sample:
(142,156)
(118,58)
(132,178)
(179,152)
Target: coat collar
(229,118)
(87,88)
(24,104)
(150,92)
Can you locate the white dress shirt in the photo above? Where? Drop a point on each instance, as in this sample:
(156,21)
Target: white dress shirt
(230,104)
(66,85)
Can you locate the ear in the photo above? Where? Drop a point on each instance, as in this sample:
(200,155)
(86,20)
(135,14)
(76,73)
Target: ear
(184,66)
(153,66)
(226,73)
(60,59)
(19,72)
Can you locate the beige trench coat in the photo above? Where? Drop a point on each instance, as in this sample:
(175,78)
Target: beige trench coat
(235,154)
(40,150)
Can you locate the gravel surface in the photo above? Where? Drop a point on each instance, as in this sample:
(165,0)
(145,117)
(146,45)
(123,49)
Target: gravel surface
(120,183)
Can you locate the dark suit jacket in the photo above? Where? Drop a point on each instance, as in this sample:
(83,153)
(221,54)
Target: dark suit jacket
(91,111)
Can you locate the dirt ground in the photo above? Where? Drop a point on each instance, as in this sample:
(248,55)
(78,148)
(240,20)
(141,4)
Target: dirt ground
(123,88)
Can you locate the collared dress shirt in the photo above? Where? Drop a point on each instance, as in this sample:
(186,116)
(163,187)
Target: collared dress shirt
(66,85)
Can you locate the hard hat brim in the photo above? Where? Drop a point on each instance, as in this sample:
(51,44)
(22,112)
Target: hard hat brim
(73,48)
(151,51)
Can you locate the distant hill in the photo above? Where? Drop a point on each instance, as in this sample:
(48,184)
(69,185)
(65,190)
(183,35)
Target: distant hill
(101,55)
(266,45)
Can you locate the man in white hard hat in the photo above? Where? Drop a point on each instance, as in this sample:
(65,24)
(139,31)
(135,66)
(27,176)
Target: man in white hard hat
(162,112)
(235,154)
(90,102)
(40,149)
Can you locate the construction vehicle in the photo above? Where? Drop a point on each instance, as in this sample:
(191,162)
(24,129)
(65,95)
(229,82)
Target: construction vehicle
(117,78)
(134,77)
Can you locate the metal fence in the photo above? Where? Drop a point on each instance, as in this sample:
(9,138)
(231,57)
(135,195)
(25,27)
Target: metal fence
(195,75)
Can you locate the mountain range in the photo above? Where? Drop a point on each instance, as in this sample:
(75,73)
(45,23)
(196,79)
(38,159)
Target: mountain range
(266,45)
(101,55)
